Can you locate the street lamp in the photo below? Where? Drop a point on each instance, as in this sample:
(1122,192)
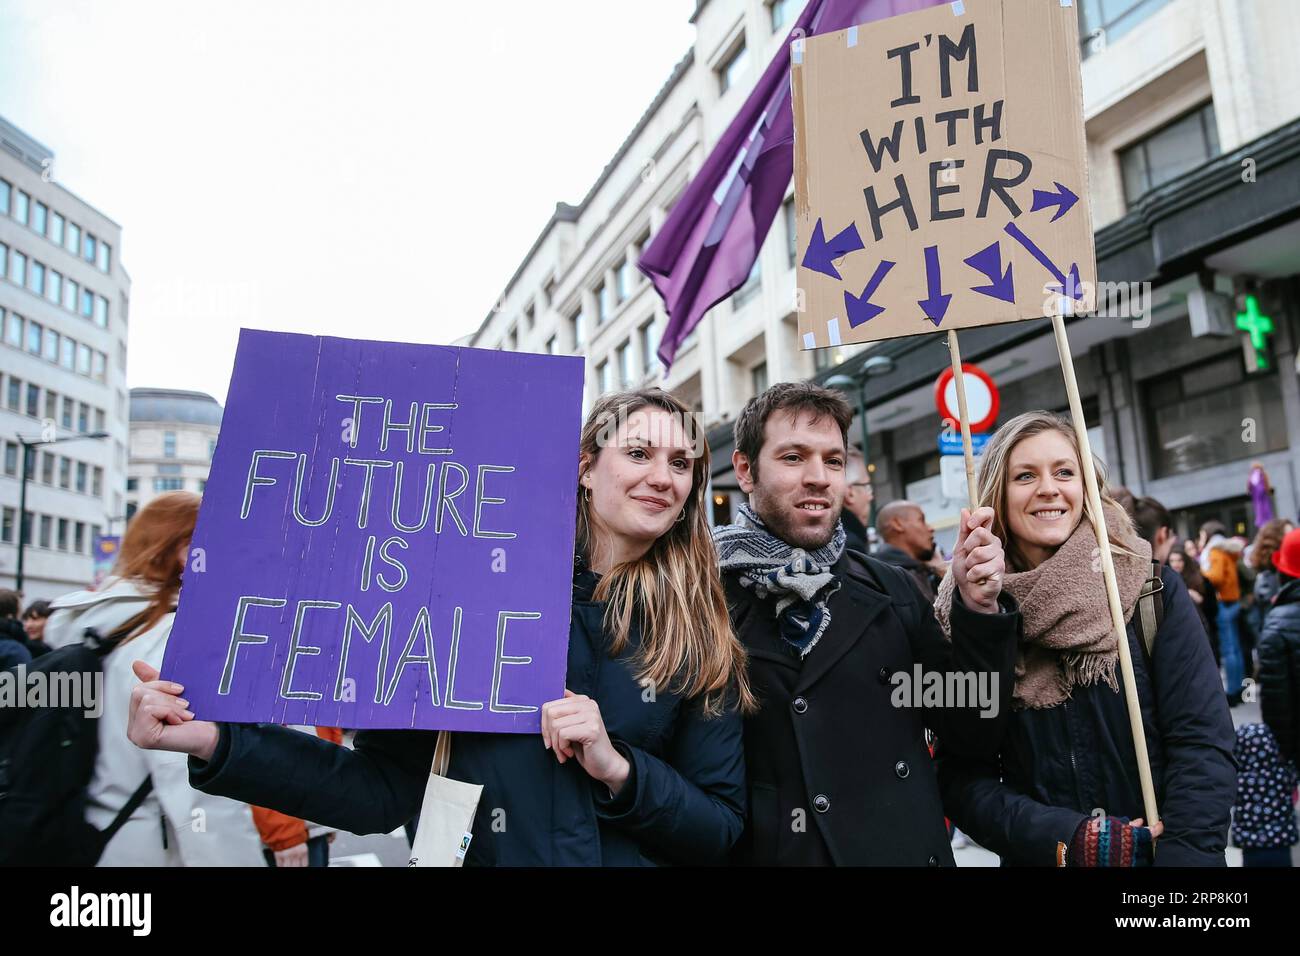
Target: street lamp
(855,384)
(29,463)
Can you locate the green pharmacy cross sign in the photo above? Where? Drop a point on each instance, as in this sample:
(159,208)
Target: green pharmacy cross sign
(1259,327)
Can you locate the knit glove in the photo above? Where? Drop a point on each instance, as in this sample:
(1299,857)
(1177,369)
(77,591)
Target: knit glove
(1110,841)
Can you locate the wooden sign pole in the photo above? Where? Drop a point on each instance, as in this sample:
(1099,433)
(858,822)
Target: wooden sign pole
(959,380)
(1107,572)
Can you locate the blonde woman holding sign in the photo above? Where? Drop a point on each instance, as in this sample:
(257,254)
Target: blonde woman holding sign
(639,762)
(1065,788)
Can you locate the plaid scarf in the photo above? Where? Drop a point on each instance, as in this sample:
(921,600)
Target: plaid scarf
(801,581)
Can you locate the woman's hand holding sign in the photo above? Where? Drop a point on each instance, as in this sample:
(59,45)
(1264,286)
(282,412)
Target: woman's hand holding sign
(160,718)
(573,727)
(977,561)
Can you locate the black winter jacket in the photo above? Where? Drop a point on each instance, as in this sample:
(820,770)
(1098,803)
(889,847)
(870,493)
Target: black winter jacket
(1057,765)
(684,801)
(839,771)
(1279,669)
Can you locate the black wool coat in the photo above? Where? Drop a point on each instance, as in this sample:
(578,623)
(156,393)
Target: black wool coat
(837,772)
(1058,765)
(1279,669)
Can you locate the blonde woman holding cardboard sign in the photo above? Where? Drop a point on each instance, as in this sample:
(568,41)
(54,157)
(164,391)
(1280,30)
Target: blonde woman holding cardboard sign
(639,762)
(1065,788)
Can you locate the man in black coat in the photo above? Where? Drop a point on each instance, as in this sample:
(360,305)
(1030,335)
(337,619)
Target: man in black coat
(909,544)
(1279,652)
(847,660)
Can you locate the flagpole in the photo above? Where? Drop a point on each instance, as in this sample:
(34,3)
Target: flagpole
(1107,572)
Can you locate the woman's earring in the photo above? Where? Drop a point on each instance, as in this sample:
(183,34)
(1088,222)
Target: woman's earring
(682,515)
(586,493)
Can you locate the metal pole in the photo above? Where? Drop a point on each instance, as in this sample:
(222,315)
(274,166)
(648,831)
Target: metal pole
(22,515)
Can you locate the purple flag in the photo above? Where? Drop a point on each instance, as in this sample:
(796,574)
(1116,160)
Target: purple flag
(708,244)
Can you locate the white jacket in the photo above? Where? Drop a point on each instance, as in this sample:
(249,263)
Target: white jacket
(176,825)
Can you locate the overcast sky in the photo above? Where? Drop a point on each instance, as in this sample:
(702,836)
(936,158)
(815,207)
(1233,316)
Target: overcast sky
(371,169)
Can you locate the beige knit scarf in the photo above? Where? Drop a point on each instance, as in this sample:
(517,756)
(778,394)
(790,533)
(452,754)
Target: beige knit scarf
(1067,637)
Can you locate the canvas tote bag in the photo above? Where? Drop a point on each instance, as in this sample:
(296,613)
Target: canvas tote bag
(447,814)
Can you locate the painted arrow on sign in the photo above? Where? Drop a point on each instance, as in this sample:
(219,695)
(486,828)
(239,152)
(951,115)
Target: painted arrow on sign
(988,261)
(858,308)
(1063,199)
(821,254)
(935,305)
(1069,285)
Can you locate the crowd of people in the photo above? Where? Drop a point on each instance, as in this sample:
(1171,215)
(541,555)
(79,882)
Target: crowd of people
(776,646)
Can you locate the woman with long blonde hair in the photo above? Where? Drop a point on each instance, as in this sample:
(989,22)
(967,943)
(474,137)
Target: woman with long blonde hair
(1064,789)
(640,761)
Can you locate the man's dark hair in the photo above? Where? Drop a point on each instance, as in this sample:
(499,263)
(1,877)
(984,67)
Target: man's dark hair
(8,603)
(1150,516)
(788,397)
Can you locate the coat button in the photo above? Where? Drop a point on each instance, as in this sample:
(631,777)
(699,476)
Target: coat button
(821,803)
(902,769)
(882,675)
(933,861)
(800,705)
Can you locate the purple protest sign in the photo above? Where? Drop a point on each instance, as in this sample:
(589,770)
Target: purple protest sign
(385,540)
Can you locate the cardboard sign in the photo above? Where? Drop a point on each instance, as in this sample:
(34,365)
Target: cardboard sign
(939,163)
(385,540)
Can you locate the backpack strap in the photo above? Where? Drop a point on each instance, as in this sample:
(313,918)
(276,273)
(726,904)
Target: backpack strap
(1151,609)
(137,798)
(103,646)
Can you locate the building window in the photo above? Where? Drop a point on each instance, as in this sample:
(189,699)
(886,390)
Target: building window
(11,459)
(62,540)
(14,330)
(780,11)
(33,400)
(51,405)
(17,268)
(758,378)
(34,332)
(101,311)
(791,240)
(68,405)
(68,354)
(47,467)
(1194,415)
(40,218)
(1102,22)
(87,303)
(132,484)
(83,359)
(88,247)
(99,365)
(733,67)
(168,484)
(83,417)
(577,323)
(1169,152)
(103,256)
(22,207)
(603,379)
(70,292)
(79,538)
(97,482)
(82,474)
(72,241)
(625,364)
(626,276)
(53,286)
(56,228)
(65,473)
(15,394)
(750,290)
(7,526)
(4,260)
(47,524)
(602,304)
(36,278)
(647,336)
(6,191)
(212,448)
(99,419)
(169,444)
(51,346)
